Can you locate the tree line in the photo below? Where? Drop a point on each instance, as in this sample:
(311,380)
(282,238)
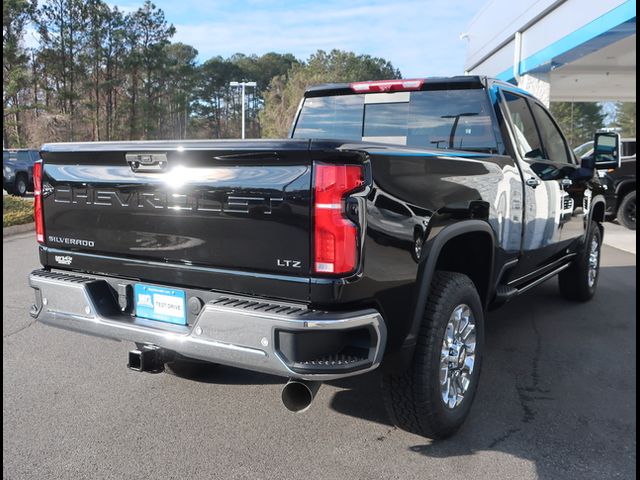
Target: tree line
(580,120)
(101,74)
(98,73)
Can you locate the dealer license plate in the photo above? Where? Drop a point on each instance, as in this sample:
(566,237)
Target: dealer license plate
(160,303)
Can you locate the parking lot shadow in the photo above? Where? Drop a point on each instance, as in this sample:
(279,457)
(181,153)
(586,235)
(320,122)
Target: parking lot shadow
(219,374)
(549,391)
(360,397)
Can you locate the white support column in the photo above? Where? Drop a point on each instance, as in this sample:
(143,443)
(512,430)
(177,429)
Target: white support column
(538,84)
(243,85)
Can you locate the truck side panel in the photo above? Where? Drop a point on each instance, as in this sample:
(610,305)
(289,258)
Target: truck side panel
(415,195)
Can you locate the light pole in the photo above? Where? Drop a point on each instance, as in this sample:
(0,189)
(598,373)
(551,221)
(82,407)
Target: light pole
(243,85)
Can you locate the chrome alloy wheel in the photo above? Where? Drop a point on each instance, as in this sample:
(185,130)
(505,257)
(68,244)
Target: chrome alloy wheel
(458,355)
(594,257)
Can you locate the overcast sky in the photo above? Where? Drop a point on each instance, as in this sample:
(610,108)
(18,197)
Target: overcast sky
(421,38)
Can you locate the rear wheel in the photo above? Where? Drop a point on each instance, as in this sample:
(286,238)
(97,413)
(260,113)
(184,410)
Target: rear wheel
(627,211)
(579,281)
(433,396)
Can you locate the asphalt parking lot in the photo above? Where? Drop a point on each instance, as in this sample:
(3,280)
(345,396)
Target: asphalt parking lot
(556,400)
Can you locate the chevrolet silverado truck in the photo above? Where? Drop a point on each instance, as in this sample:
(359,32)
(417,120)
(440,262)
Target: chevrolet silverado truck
(380,234)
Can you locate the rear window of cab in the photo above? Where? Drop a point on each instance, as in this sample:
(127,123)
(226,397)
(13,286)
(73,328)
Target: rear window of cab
(443,119)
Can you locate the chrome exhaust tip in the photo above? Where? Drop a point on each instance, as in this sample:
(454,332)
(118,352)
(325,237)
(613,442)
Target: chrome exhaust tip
(297,395)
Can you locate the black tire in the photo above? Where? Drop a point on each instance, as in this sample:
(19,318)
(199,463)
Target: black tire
(20,188)
(414,399)
(574,282)
(626,214)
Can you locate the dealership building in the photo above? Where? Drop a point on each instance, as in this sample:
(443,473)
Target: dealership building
(563,50)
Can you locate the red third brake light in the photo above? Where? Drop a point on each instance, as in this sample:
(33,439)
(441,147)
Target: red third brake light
(335,237)
(37,201)
(387,86)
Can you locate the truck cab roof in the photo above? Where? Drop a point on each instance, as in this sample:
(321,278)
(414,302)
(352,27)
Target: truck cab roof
(395,85)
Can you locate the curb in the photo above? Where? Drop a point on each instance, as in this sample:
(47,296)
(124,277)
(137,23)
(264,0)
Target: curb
(623,248)
(17,229)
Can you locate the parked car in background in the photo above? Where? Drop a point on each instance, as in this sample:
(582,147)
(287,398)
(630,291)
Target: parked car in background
(620,183)
(17,170)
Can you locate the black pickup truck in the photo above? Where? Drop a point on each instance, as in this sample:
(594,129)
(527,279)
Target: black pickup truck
(379,235)
(620,186)
(619,183)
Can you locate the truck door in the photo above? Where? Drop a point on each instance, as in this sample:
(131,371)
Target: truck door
(554,199)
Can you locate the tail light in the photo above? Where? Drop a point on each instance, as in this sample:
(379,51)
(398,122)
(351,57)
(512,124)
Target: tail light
(335,236)
(37,201)
(387,86)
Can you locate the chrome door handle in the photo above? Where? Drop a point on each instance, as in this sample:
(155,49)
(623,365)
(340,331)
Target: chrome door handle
(532,182)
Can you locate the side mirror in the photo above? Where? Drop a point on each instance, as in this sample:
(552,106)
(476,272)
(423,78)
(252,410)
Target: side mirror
(606,150)
(588,162)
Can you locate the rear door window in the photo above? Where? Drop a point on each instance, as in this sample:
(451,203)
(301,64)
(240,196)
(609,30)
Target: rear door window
(525,130)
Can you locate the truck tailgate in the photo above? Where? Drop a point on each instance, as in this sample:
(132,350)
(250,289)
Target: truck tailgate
(224,204)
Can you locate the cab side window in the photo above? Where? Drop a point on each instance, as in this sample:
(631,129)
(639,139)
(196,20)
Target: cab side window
(628,148)
(554,145)
(525,129)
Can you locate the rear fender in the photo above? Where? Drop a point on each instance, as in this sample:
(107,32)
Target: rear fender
(433,249)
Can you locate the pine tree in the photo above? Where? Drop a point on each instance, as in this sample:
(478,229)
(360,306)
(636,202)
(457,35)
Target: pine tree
(15,69)
(626,118)
(98,74)
(61,25)
(180,81)
(578,120)
(151,38)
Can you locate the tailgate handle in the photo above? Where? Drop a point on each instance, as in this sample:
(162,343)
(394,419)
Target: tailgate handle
(147,162)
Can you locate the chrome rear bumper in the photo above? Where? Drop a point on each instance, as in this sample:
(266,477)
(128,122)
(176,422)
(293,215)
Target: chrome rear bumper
(242,332)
